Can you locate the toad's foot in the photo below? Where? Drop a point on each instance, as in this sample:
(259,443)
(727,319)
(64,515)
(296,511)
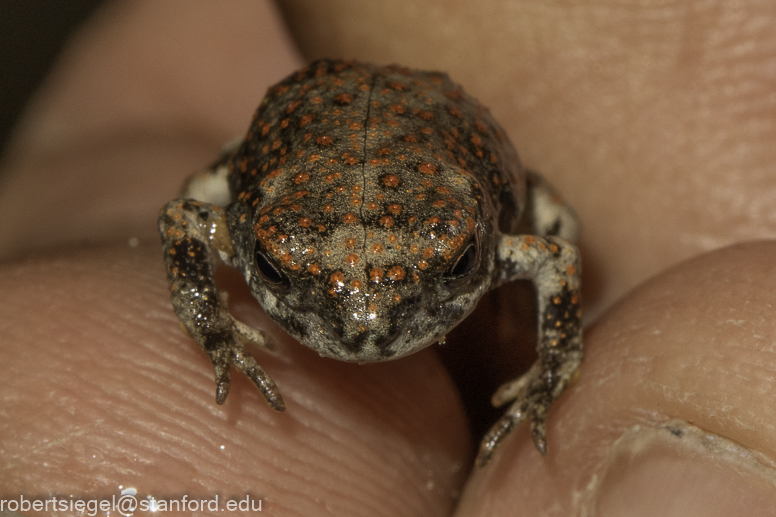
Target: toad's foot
(194,237)
(226,350)
(533,394)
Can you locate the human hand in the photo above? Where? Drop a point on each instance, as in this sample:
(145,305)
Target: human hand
(100,382)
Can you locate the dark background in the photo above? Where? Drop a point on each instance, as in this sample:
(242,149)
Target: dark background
(32,32)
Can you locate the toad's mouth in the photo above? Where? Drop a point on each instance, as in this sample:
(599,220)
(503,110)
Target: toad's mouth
(362,335)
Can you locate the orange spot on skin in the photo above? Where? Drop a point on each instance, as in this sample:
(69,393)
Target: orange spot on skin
(343,98)
(350,242)
(292,106)
(337,278)
(391,180)
(376,274)
(301,178)
(422,264)
(387,221)
(398,108)
(304,222)
(396,273)
(324,140)
(376,248)
(427,168)
(394,208)
(352,259)
(439,203)
(428,252)
(349,218)
(314,269)
(306,120)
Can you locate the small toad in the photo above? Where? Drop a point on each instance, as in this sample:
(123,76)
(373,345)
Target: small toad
(369,209)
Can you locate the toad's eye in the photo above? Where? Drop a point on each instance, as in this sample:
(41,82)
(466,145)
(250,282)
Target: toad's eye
(466,262)
(268,271)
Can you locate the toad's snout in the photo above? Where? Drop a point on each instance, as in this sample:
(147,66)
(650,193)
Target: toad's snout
(365,326)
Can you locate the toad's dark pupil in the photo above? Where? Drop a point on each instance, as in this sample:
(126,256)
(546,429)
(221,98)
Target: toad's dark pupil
(465,263)
(267,270)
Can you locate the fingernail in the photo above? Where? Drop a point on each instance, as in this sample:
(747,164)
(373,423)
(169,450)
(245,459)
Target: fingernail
(681,470)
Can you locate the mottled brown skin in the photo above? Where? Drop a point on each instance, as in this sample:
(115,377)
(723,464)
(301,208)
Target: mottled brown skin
(371,208)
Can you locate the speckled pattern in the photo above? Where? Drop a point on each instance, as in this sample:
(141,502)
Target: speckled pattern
(371,208)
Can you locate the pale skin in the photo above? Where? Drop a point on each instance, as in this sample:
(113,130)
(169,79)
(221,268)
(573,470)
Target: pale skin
(676,143)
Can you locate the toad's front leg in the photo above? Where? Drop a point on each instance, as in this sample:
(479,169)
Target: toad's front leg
(194,236)
(553,265)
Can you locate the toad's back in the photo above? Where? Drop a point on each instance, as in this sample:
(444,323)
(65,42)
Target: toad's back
(362,137)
